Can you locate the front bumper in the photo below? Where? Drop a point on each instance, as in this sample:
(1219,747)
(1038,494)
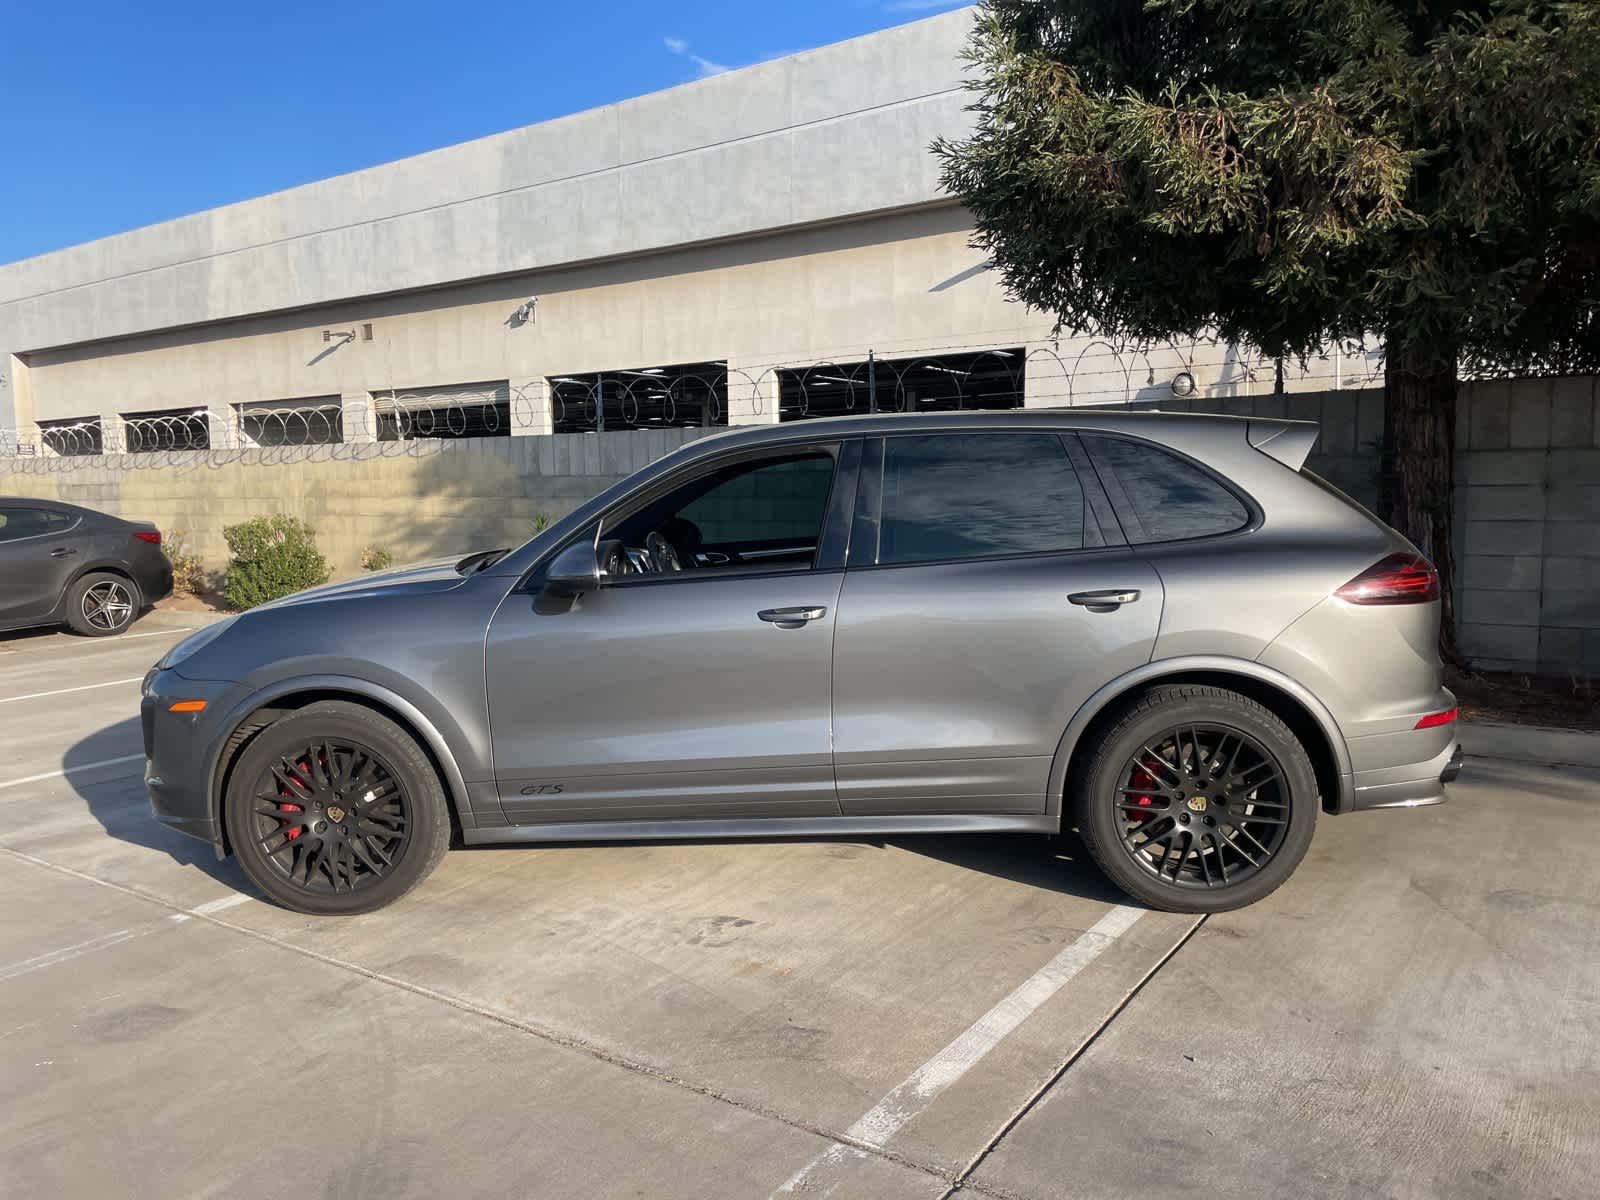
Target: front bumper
(177,753)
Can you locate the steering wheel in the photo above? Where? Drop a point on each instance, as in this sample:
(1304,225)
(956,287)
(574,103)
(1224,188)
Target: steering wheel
(662,552)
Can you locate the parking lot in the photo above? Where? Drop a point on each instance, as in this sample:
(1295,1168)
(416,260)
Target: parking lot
(1417,1013)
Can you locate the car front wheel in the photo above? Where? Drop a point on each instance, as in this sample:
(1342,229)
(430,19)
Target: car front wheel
(1197,799)
(335,810)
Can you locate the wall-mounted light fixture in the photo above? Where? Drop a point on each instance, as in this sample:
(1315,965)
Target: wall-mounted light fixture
(1183,385)
(526,312)
(346,335)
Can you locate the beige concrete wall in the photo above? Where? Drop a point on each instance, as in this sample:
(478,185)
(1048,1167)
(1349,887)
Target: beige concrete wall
(901,285)
(417,500)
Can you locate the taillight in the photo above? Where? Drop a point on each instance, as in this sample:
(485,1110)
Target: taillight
(1434,720)
(1398,579)
(153,536)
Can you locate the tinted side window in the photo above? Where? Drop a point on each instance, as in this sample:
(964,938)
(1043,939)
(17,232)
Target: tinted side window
(16,523)
(1161,498)
(951,496)
(771,502)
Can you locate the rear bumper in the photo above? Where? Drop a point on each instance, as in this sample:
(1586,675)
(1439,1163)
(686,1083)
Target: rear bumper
(1411,786)
(154,579)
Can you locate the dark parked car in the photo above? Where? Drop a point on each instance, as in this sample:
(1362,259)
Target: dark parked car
(60,563)
(1157,629)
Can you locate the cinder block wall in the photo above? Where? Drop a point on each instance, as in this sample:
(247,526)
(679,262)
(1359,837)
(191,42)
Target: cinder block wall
(1528,513)
(418,500)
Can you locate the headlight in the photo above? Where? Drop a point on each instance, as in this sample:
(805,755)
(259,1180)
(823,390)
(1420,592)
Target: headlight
(194,643)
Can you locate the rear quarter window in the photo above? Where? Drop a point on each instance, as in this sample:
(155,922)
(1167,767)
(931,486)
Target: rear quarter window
(19,523)
(1161,498)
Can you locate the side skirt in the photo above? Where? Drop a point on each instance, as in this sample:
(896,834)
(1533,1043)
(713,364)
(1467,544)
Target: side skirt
(761,827)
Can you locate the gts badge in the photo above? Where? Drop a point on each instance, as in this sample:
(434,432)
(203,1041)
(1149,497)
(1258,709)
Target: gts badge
(544,789)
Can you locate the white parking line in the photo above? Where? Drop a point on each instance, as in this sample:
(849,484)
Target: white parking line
(12,970)
(212,906)
(88,687)
(919,1089)
(94,766)
(66,643)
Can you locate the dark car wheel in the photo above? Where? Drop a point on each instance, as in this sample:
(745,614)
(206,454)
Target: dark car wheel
(102,604)
(1197,799)
(335,809)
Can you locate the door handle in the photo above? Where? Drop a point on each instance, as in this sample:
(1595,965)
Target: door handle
(1106,600)
(791,616)
(62,552)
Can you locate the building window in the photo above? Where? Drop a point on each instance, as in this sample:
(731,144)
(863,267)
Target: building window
(462,410)
(310,421)
(168,429)
(929,383)
(690,394)
(70,439)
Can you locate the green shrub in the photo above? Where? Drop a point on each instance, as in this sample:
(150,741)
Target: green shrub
(188,575)
(271,557)
(376,558)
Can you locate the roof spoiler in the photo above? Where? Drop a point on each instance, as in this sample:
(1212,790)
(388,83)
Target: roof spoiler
(1287,441)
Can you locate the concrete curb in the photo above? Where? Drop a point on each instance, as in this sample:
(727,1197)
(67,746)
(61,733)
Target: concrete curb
(1538,744)
(161,618)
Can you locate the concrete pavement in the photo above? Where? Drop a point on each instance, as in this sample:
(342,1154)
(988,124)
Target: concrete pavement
(1413,1014)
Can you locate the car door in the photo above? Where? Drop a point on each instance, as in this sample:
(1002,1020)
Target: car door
(703,692)
(37,551)
(989,594)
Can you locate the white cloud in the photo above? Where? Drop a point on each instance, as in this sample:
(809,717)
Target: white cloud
(704,66)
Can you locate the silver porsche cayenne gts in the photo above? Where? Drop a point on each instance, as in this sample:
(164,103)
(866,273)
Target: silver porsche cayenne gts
(1157,630)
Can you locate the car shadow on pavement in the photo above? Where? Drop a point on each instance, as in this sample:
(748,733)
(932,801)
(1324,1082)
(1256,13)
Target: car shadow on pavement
(1055,864)
(117,800)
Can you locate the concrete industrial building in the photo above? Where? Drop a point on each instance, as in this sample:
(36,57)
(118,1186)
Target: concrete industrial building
(730,250)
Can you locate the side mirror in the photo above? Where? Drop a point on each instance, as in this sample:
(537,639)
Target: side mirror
(575,570)
(584,567)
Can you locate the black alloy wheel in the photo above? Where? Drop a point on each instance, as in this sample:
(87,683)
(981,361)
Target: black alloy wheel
(1193,798)
(1203,806)
(335,809)
(331,816)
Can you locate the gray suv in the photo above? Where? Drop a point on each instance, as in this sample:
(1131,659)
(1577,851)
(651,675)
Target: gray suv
(1156,629)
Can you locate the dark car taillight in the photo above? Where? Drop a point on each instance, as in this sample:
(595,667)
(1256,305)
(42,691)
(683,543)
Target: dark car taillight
(1398,579)
(153,536)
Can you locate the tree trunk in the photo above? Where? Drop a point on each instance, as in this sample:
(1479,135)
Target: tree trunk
(1420,436)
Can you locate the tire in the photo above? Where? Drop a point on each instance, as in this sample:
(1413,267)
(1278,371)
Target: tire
(1230,793)
(102,604)
(370,828)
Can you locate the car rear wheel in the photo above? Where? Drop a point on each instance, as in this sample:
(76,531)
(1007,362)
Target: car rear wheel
(1197,799)
(102,604)
(335,809)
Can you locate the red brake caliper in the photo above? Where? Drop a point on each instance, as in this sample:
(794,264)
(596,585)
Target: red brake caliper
(1141,779)
(286,804)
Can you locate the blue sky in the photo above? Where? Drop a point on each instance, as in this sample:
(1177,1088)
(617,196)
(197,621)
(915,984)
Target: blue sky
(117,115)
